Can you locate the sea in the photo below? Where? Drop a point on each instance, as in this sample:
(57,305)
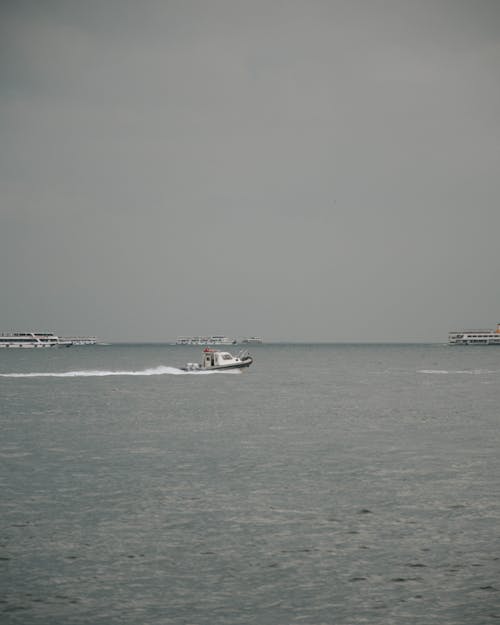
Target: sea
(327,484)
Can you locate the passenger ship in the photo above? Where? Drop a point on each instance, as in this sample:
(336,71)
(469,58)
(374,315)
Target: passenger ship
(32,339)
(252,339)
(475,337)
(205,340)
(80,340)
(42,339)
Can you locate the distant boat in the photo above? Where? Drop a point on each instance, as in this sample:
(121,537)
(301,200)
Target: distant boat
(205,340)
(252,339)
(216,360)
(27,340)
(81,340)
(475,337)
(37,339)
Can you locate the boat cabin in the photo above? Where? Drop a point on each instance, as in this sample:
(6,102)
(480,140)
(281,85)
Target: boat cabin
(215,358)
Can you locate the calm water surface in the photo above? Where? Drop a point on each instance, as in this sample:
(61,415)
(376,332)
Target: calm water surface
(329,484)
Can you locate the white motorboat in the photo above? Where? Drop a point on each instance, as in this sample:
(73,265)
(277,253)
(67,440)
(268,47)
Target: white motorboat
(216,360)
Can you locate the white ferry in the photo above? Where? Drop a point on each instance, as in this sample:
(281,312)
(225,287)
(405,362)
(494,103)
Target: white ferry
(205,340)
(80,340)
(31,340)
(475,337)
(252,339)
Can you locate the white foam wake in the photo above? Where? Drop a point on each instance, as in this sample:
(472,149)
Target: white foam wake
(466,371)
(90,373)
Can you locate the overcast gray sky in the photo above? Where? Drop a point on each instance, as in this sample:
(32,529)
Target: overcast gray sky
(301,170)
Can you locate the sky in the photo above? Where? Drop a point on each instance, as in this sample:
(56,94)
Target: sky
(301,170)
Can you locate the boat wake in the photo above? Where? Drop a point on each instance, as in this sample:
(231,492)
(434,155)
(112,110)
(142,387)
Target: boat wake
(465,371)
(91,373)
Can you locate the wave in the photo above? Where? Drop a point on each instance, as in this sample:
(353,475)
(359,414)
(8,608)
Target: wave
(466,371)
(93,373)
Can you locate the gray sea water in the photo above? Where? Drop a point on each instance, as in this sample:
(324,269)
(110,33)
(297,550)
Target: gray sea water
(329,484)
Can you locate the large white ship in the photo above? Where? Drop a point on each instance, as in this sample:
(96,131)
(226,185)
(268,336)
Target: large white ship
(42,339)
(205,340)
(32,339)
(475,337)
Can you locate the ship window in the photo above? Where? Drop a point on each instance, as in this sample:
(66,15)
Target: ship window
(227,357)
